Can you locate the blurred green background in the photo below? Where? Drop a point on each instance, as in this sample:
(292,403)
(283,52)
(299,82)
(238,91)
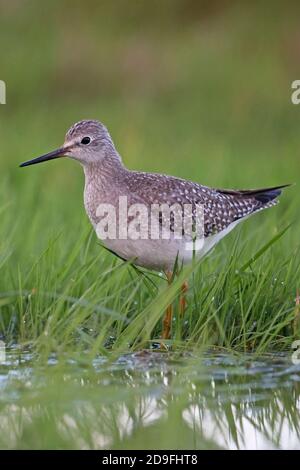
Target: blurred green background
(198,89)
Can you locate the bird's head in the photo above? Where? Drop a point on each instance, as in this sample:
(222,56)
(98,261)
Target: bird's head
(86,141)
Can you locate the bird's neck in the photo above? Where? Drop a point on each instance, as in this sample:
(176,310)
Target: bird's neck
(103,181)
(104,171)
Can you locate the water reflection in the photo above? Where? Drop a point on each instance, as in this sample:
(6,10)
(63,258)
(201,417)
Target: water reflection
(151,400)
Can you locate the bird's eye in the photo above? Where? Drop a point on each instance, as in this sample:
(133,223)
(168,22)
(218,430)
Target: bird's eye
(86,140)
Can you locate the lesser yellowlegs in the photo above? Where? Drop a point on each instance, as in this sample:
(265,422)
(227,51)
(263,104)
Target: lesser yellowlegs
(108,181)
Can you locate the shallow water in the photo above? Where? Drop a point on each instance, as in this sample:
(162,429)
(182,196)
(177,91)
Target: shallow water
(150,400)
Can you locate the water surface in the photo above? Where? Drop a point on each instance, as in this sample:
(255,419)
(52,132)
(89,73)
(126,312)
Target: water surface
(150,400)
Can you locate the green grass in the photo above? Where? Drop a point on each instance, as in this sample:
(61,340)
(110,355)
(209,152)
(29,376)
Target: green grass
(209,101)
(84,298)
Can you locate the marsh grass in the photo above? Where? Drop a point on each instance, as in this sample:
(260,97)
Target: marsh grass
(85,298)
(213,106)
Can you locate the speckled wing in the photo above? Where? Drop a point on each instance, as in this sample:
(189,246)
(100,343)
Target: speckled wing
(221,207)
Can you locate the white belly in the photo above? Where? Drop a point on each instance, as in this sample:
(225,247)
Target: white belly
(162,254)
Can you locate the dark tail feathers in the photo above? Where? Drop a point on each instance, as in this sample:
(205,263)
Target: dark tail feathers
(264,195)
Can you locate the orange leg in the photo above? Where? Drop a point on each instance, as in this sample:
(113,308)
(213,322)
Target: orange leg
(167,321)
(182,298)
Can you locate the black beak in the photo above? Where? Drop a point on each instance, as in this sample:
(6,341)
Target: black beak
(61,152)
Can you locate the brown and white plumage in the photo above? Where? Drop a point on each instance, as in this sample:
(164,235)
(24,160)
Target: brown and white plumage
(106,179)
(222,207)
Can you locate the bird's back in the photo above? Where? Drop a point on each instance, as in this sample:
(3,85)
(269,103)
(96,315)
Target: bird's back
(221,207)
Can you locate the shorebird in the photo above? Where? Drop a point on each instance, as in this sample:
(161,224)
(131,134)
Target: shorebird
(107,181)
